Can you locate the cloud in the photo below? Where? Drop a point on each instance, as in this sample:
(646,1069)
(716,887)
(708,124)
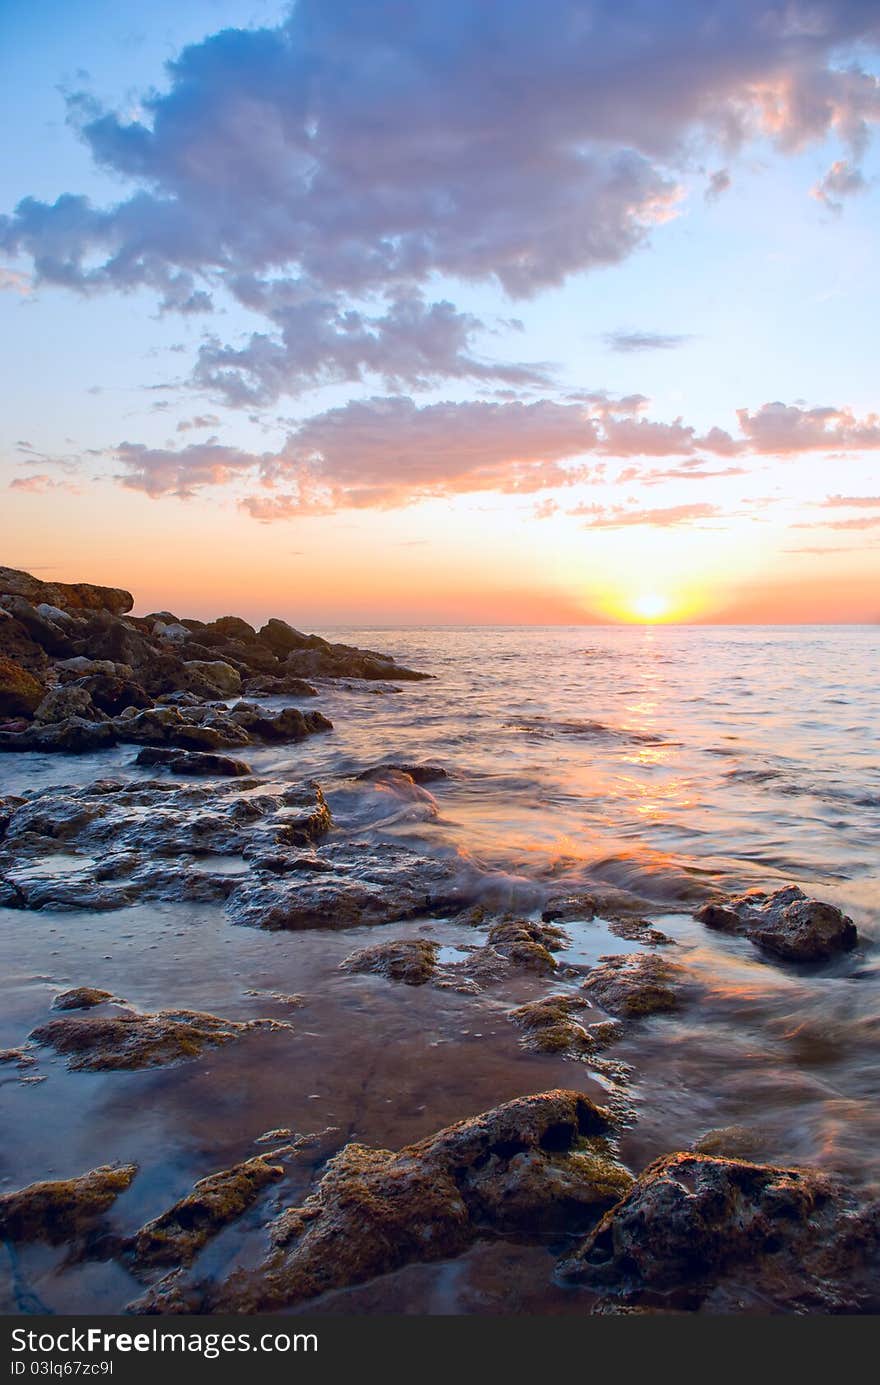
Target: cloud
(187,425)
(320,341)
(841,180)
(644,341)
(12,281)
(851,501)
(718,185)
(777,429)
(349,156)
(38,484)
(664,517)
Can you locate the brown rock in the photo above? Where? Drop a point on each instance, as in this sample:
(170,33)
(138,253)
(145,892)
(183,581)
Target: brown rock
(81,998)
(129,1041)
(636,984)
(785,923)
(731,1235)
(69,596)
(410,960)
(20,693)
(57,1210)
(176,1237)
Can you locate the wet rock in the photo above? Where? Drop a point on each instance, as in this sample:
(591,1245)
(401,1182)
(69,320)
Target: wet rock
(74,735)
(535,1166)
(19,1056)
(785,923)
(366,885)
(639,931)
(549,1026)
(528,944)
(69,596)
(177,1236)
(219,676)
(266,684)
(290,724)
(420,774)
(82,998)
(20,693)
(130,1041)
(731,1141)
(410,960)
(637,984)
(194,762)
(9,806)
(61,703)
(576,907)
(727,1235)
(59,1209)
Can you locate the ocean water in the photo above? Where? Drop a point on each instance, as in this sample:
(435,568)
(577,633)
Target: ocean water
(667,762)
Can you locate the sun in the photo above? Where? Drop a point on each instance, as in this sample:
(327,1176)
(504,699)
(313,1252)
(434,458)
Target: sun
(650,605)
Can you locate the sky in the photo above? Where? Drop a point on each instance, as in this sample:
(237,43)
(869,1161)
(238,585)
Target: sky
(481,312)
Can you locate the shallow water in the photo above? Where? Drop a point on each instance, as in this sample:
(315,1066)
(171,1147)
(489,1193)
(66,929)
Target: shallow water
(662,761)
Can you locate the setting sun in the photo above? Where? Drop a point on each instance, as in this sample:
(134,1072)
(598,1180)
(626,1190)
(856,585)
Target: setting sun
(650,606)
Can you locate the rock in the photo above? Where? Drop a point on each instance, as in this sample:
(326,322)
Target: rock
(729,1235)
(636,984)
(192,762)
(785,923)
(548,1027)
(82,998)
(528,944)
(111,693)
(230,627)
(411,960)
(265,684)
(131,1041)
(60,1209)
(61,703)
(290,724)
(576,907)
(220,676)
(69,596)
(20,693)
(535,1166)
(420,774)
(282,638)
(177,1236)
(53,636)
(638,931)
(74,734)
(382,884)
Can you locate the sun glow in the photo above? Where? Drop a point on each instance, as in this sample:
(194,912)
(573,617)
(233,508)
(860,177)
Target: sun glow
(650,606)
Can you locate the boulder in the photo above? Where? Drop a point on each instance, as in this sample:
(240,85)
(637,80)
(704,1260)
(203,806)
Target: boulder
(20,693)
(785,923)
(61,703)
(230,628)
(221,677)
(730,1235)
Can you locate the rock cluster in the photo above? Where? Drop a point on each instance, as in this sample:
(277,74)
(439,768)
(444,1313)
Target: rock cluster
(79,672)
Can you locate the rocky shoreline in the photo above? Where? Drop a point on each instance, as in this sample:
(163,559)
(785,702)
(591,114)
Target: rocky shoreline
(695,1231)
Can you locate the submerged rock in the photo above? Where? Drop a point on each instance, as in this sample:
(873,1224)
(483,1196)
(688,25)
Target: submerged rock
(59,1209)
(128,1041)
(637,983)
(176,1237)
(531,1168)
(785,923)
(727,1235)
(419,774)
